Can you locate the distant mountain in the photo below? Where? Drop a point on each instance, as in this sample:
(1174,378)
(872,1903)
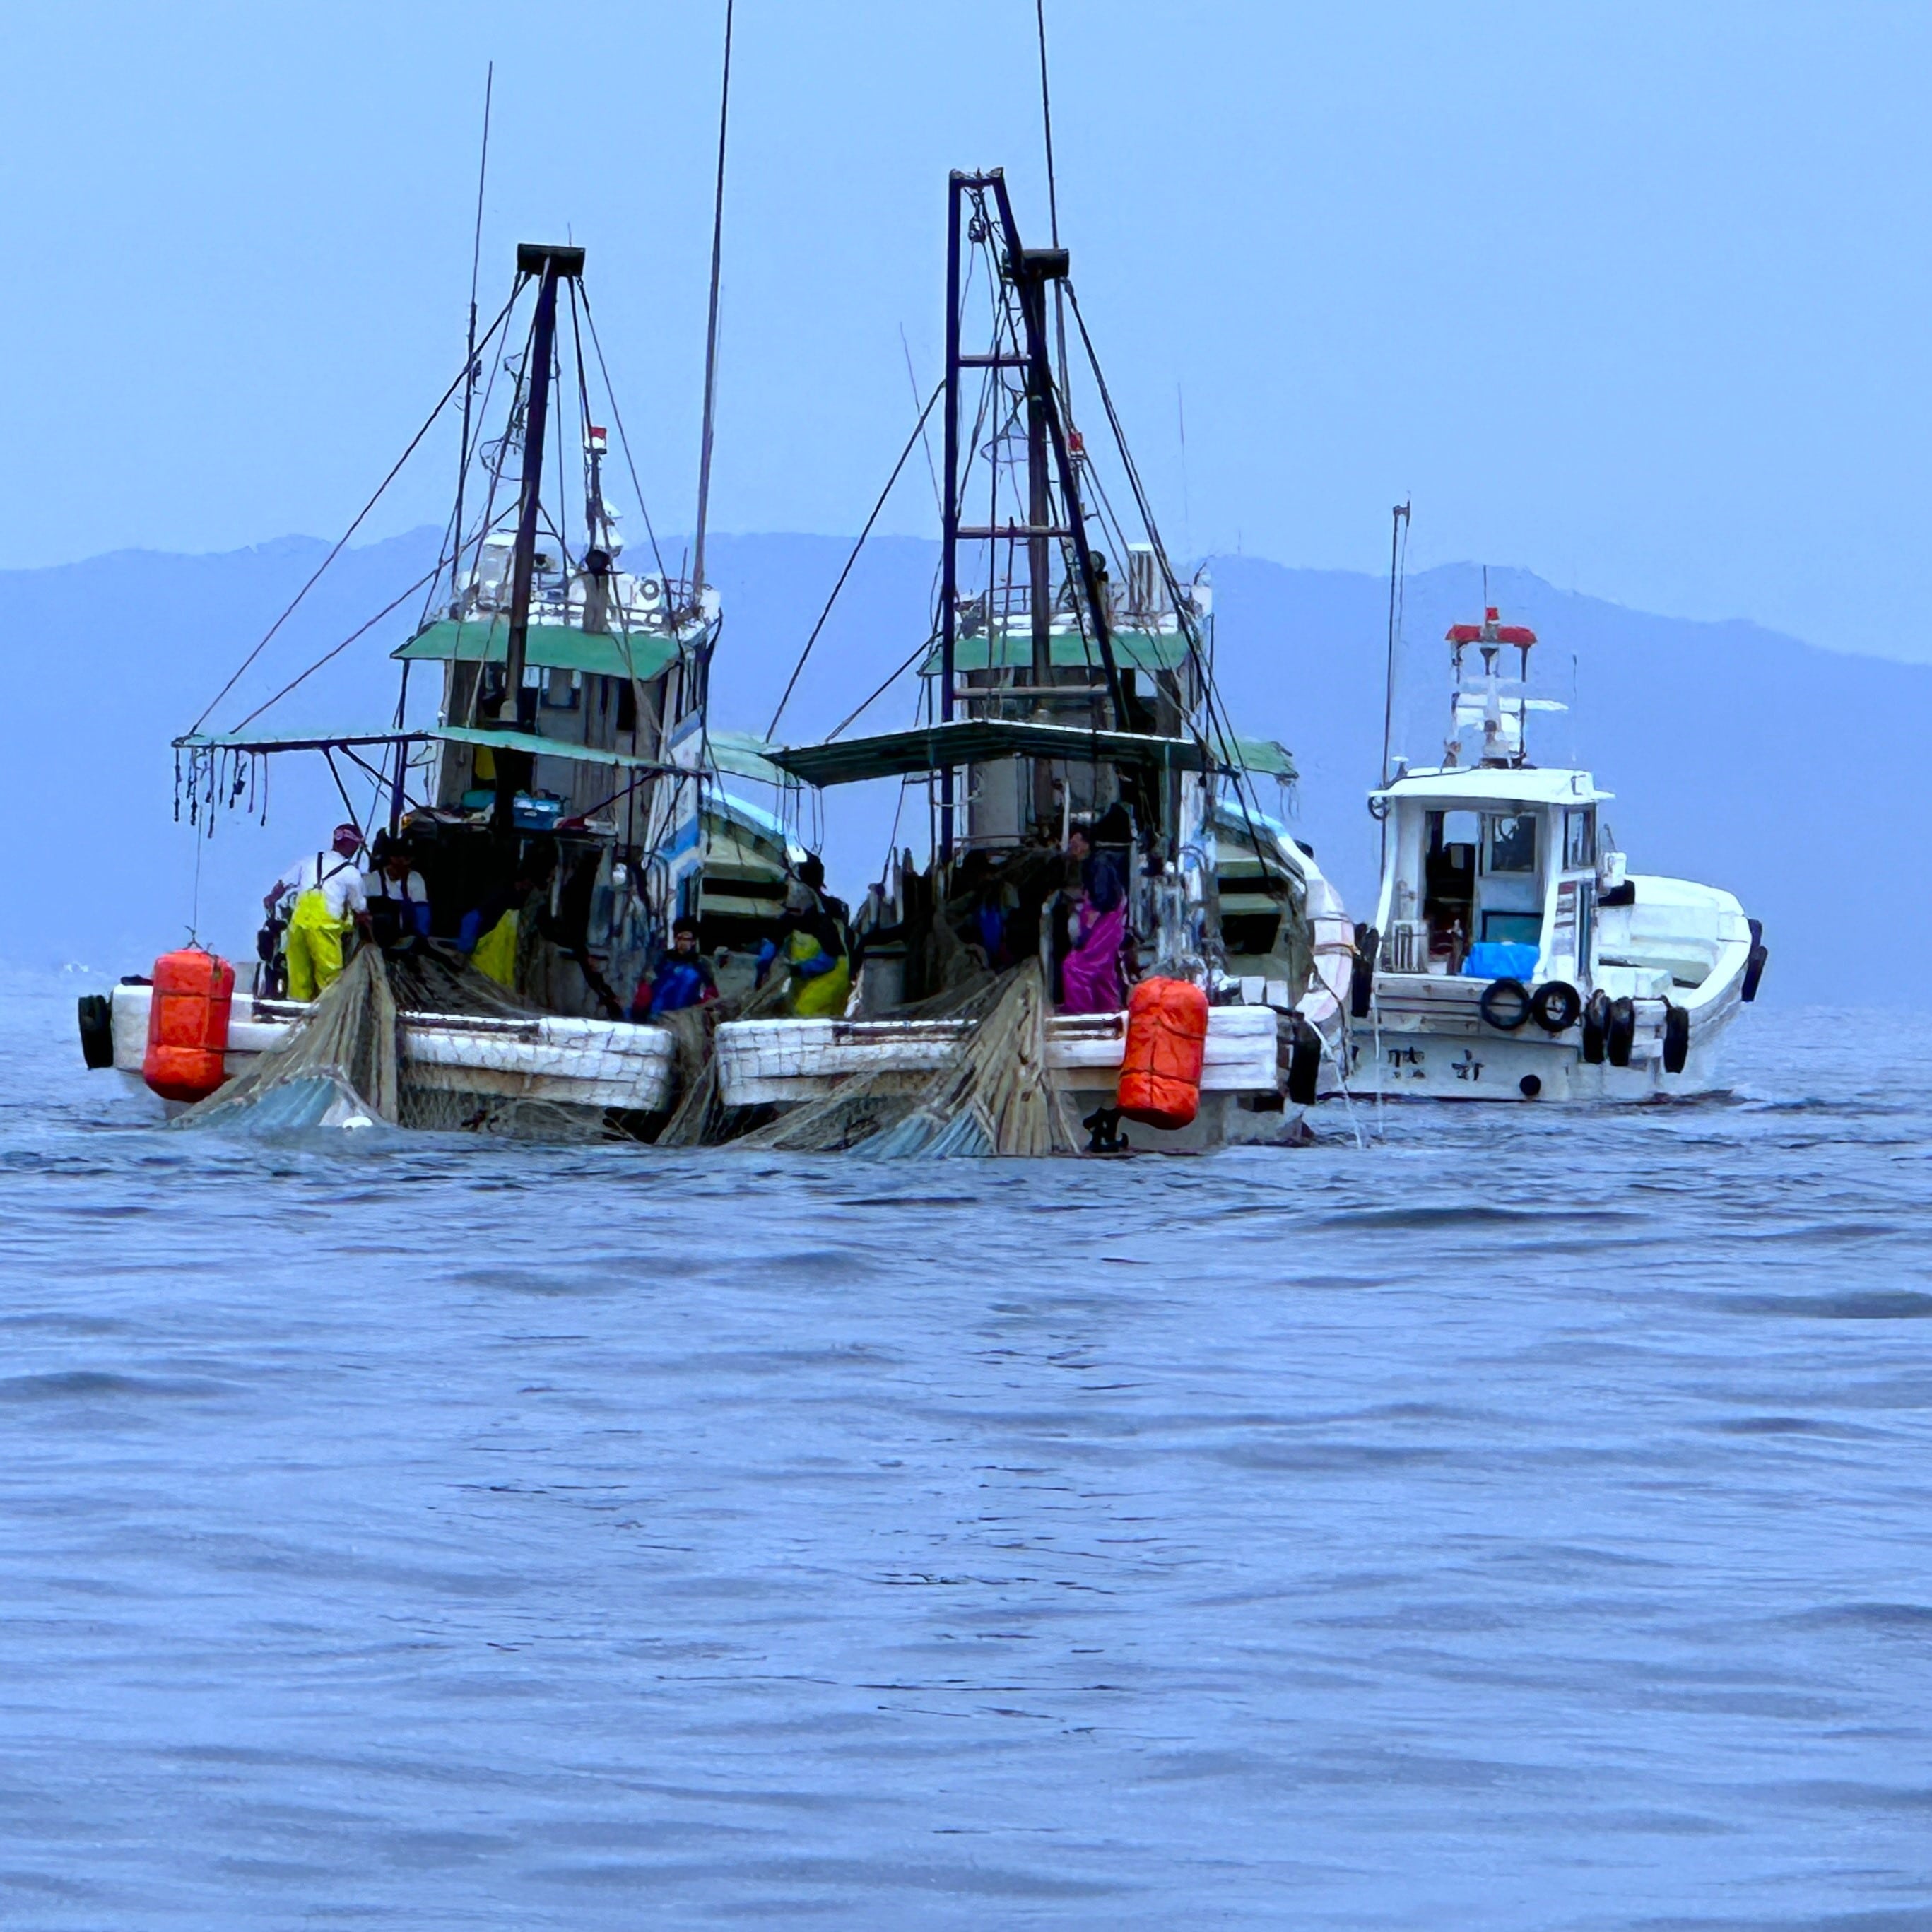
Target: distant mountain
(1737,756)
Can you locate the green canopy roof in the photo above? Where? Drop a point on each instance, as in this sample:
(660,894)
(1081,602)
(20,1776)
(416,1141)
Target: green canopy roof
(642,655)
(1268,756)
(1012,650)
(932,747)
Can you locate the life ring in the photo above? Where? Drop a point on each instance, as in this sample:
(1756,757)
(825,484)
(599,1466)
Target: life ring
(1505,1004)
(1596,1021)
(1304,1059)
(1620,1031)
(1676,1039)
(1362,971)
(1556,1006)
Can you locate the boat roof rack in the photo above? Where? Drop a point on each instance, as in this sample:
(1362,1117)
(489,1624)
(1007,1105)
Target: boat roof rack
(533,256)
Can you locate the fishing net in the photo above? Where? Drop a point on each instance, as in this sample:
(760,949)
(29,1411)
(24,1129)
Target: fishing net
(338,1068)
(991,1096)
(342,1065)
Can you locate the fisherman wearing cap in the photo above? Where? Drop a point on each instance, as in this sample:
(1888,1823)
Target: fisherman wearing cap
(329,898)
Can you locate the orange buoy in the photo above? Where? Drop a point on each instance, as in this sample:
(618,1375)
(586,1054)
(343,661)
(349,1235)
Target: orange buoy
(1166,1047)
(188,1025)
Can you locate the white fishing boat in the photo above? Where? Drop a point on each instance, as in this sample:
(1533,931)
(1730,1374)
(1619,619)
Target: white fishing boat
(1514,956)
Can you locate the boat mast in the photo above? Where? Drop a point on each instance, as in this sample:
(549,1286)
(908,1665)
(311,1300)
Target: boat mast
(550,264)
(711,333)
(949,515)
(469,366)
(1399,521)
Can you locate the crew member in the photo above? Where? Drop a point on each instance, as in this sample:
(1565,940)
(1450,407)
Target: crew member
(1090,973)
(811,945)
(398,900)
(329,900)
(683,978)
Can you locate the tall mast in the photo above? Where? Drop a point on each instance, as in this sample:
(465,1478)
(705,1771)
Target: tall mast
(469,366)
(711,330)
(1399,522)
(550,264)
(949,515)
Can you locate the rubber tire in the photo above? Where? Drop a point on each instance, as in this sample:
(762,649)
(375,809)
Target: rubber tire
(1512,989)
(1620,1032)
(1596,1020)
(96,1031)
(1304,1061)
(1753,972)
(1362,971)
(1556,993)
(1676,1039)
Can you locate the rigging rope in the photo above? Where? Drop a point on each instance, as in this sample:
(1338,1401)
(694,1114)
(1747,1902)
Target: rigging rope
(911,442)
(342,541)
(711,325)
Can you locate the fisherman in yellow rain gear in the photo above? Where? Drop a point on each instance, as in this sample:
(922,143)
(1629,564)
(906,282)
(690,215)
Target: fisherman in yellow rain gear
(329,900)
(812,946)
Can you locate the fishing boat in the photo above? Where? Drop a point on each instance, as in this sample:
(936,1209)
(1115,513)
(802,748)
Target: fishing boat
(1514,956)
(1069,683)
(568,764)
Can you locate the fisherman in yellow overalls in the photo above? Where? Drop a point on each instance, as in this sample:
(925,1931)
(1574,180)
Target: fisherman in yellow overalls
(811,947)
(329,901)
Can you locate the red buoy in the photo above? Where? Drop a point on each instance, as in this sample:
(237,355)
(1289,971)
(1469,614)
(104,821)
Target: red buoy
(1166,1049)
(188,1025)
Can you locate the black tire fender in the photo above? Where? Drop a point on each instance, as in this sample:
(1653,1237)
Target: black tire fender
(1596,1020)
(1362,971)
(1556,1006)
(1620,1032)
(1676,1039)
(1505,1004)
(1753,970)
(96,1031)
(1304,1060)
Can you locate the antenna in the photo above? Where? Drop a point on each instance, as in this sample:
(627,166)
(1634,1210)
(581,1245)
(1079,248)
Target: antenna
(711,327)
(1398,546)
(469,367)
(1052,193)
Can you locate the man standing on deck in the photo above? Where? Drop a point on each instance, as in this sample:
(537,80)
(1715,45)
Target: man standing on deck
(329,900)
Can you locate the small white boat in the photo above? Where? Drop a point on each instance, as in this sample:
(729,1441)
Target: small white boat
(1514,956)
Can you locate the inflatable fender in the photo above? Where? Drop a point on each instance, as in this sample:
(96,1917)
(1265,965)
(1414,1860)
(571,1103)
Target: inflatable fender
(1362,971)
(1676,1039)
(1620,1031)
(1166,1047)
(1596,1021)
(1304,1060)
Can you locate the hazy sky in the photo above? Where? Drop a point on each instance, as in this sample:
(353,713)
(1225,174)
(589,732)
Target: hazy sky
(1633,297)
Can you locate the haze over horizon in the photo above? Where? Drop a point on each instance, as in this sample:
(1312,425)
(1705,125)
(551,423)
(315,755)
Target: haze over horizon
(1633,302)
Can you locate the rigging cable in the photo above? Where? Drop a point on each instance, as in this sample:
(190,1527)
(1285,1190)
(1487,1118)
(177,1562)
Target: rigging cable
(711,326)
(911,442)
(342,541)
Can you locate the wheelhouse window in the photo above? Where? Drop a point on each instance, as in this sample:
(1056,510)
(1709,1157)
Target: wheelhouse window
(1513,842)
(1579,840)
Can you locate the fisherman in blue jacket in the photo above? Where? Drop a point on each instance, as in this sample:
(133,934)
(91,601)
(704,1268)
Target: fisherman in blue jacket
(683,978)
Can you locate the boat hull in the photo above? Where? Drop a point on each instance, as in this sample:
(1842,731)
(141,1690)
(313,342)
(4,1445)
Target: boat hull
(784,1063)
(1424,1039)
(599,1065)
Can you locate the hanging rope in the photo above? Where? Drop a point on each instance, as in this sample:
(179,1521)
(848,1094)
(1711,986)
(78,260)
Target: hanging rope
(342,542)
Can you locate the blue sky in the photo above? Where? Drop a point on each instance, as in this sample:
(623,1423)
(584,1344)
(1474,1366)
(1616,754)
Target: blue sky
(1634,299)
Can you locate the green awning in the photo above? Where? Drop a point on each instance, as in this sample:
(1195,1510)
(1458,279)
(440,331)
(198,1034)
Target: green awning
(745,755)
(1266,756)
(1133,650)
(549,748)
(642,655)
(968,741)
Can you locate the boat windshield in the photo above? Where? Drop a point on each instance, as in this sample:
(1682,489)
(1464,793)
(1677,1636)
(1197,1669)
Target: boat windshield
(1513,842)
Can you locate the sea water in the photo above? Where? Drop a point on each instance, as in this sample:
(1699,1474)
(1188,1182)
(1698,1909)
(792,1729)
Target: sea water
(1522,1519)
